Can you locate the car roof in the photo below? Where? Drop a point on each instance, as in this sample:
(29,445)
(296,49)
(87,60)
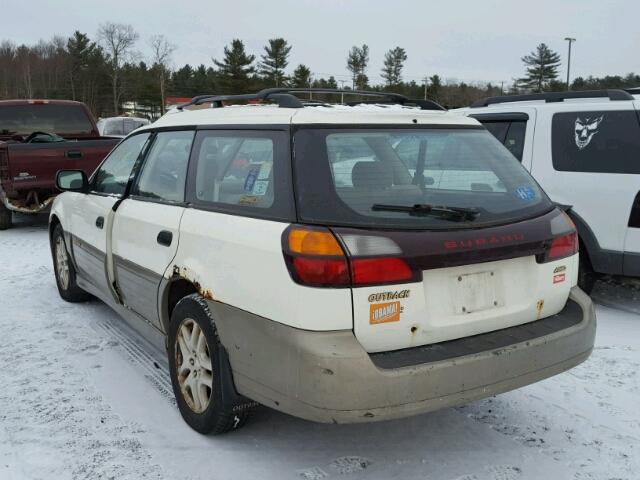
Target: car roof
(322,114)
(35,101)
(566,100)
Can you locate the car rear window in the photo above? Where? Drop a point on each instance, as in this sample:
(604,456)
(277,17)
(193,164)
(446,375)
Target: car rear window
(60,119)
(598,141)
(342,173)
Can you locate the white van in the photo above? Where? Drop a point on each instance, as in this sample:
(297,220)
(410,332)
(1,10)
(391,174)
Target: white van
(120,126)
(339,263)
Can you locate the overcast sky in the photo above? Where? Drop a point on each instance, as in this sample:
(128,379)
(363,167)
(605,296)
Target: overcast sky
(468,40)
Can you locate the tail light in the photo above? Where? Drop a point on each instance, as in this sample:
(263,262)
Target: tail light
(316,258)
(565,241)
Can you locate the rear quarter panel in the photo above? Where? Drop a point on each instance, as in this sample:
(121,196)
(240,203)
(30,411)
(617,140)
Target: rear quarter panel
(239,261)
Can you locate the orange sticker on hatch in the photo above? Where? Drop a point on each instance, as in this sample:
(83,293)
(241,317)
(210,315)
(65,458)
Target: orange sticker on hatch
(384,313)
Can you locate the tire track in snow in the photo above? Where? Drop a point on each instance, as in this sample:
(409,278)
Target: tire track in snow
(156,373)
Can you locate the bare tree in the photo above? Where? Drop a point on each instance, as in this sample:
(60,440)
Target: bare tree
(161,50)
(117,40)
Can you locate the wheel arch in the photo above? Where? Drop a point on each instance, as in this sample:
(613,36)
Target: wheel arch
(174,290)
(601,261)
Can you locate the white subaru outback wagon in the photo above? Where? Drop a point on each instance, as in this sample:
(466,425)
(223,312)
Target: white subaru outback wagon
(337,262)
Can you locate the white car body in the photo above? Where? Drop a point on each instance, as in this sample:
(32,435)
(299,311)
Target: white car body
(235,261)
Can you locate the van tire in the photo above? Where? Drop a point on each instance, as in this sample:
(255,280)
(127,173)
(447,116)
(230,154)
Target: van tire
(222,410)
(586,276)
(5,217)
(64,270)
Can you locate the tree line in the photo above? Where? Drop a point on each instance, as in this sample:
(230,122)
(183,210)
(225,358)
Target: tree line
(108,70)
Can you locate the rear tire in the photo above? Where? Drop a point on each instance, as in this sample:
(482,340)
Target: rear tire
(5,217)
(200,372)
(64,269)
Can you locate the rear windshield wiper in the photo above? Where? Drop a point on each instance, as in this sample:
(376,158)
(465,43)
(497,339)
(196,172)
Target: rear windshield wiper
(423,209)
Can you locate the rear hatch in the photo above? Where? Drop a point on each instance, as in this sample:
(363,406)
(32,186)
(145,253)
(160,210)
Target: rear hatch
(445,233)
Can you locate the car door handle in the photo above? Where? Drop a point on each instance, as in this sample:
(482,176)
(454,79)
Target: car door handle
(165,237)
(74,154)
(100,222)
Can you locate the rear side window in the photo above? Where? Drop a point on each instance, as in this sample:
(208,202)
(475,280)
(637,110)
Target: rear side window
(597,141)
(164,172)
(509,133)
(384,177)
(243,171)
(60,119)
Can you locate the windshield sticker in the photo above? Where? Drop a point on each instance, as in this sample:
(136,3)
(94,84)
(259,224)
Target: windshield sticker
(585,130)
(525,192)
(265,170)
(260,187)
(247,200)
(384,313)
(251,178)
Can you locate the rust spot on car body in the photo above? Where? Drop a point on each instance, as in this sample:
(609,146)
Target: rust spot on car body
(539,307)
(185,274)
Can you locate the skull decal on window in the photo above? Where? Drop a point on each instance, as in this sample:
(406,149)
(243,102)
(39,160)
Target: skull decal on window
(585,130)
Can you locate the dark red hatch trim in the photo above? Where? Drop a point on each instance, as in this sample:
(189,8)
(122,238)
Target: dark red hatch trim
(424,250)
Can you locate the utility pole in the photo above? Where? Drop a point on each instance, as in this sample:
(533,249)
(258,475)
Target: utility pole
(502,87)
(570,40)
(342,93)
(426,82)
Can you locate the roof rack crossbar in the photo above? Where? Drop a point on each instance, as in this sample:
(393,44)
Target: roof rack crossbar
(551,97)
(284,97)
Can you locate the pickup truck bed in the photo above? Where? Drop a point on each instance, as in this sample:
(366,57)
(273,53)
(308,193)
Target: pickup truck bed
(32,151)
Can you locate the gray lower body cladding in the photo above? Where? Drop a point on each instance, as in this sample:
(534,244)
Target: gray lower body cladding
(329,377)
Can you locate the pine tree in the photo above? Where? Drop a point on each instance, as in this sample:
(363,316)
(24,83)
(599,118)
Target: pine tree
(235,68)
(301,77)
(435,86)
(357,62)
(542,67)
(274,61)
(392,68)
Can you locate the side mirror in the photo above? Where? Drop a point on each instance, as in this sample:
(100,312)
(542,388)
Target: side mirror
(72,181)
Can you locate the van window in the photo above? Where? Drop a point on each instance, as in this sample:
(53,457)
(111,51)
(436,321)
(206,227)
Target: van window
(596,141)
(373,177)
(164,172)
(242,171)
(510,133)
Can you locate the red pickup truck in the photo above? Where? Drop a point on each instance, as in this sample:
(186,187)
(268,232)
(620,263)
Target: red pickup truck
(38,138)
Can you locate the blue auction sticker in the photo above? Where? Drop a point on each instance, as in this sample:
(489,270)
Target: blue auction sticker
(525,193)
(251,179)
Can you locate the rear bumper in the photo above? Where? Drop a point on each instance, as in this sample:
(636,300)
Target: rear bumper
(32,209)
(328,377)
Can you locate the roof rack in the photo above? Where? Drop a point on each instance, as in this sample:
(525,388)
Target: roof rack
(555,97)
(633,91)
(285,98)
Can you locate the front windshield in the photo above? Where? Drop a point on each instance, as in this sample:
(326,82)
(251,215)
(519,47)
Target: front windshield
(344,173)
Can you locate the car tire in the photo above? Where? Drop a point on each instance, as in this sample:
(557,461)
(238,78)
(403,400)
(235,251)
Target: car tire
(5,217)
(64,270)
(586,276)
(200,371)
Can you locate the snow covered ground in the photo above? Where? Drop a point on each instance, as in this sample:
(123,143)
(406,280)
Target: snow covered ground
(82,397)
